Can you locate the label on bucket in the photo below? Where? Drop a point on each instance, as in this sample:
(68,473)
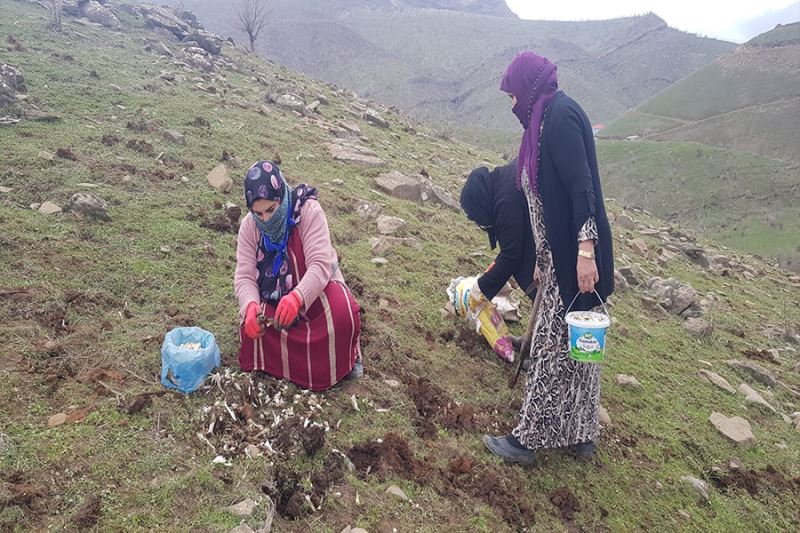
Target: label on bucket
(587,345)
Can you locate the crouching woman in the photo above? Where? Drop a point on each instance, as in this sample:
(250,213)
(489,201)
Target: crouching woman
(299,321)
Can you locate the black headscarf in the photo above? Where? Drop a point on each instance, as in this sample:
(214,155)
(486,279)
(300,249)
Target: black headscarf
(477,201)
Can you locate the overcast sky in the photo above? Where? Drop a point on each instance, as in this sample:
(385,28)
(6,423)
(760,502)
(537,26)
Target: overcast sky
(723,19)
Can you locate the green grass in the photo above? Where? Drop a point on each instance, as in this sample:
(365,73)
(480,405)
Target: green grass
(149,469)
(744,201)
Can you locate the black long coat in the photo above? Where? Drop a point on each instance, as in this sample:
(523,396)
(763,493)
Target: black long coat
(569,184)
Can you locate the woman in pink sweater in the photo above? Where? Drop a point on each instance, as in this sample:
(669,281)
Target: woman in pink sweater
(299,320)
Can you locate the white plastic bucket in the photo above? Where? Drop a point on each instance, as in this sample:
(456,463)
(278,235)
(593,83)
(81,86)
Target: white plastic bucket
(587,334)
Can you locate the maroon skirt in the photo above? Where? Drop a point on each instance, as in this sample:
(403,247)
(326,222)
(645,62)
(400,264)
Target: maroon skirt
(315,353)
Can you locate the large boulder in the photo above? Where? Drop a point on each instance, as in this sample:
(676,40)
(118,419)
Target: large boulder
(12,83)
(100,14)
(675,296)
(399,185)
(164,17)
(206,41)
(357,155)
(88,205)
(736,428)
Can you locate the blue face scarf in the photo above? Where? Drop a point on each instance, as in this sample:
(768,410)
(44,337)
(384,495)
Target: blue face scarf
(265,180)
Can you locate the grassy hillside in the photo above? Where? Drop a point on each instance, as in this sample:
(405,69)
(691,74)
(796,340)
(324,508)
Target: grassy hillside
(445,65)
(743,201)
(90,440)
(746,100)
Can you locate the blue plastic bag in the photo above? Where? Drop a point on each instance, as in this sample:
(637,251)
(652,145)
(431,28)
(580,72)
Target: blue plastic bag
(185,369)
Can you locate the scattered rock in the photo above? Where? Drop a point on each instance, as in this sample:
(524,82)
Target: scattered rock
(368,211)
(49,208)
(696,254)
(753,396)
(399,185)
(88,205)
(630,277)
(394,490)
(382,245)
(734,464)
(620,283)
(699,485)
(756,371)
(639,246)
(205,42)
(683,514)
(56,420)
(219,178)
(372,116)
(771,355)
(736,428)
(393,383)
(175,136)
(352,127)
(698,327)
(627,381)
(242,509)
(390,225)
(675,296)
(46,156)
(379,261)
(358,155)
(602,415)
(716,379)
(292,102)
(625,222)
(252,451)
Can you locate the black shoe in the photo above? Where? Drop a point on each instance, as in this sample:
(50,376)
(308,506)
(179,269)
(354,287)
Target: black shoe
(509,448)
(583,450)
(516,342)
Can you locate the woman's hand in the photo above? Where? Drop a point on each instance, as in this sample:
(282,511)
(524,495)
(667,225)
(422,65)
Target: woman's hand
(288,309)
(587,268)
(252,327)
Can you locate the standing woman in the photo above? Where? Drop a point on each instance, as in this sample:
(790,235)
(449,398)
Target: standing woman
(299,320)
(557,170)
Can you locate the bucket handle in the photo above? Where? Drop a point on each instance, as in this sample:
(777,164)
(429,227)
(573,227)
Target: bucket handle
(598,297)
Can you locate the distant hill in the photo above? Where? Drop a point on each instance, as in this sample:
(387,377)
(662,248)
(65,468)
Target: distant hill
(748,100)
(445,64)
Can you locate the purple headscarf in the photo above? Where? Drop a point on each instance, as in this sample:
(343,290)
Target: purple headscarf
(532,80)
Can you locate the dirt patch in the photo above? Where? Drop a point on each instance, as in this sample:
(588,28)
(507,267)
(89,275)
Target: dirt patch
(142,126)
(89,513)
(753,481)
(66,153)
(138,403)
(566,503)
(435,407)
(162,175)
(391,456)
(498,488)
(471,343)
(110,140)
(286,490)
(143,147)
(313,439)
(760,355)
(199,122)
(15,490)
(219,222)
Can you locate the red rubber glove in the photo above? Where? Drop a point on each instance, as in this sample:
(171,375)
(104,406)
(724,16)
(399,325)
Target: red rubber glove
(252,327)
(288,308)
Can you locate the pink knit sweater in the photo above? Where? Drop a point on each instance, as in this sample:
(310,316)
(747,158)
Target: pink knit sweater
(322,263)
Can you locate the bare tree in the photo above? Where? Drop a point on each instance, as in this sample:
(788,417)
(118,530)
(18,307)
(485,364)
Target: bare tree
(54,10)
(252,16)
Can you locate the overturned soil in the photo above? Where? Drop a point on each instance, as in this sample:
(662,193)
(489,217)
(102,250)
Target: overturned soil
(566,503)
(496,486)
(754,481)
(89,513)
(286,488)
(435,407)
